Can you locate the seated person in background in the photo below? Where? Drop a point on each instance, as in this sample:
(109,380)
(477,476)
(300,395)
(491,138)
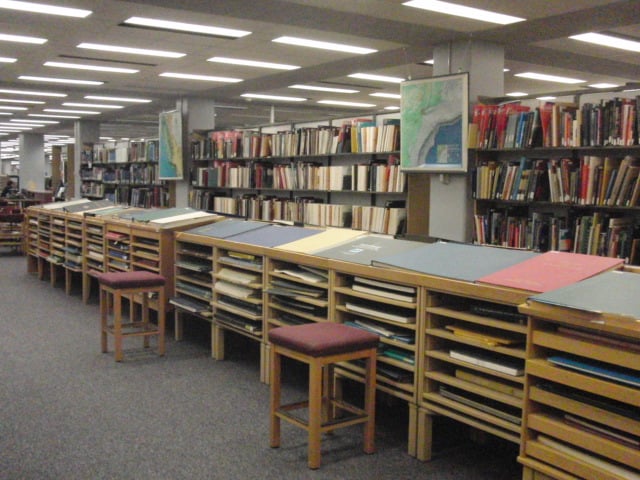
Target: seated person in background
(8,188)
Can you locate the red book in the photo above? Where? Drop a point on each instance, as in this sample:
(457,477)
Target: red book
(551,270)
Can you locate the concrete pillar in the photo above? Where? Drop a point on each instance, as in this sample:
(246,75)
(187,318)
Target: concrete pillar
(451,205)
(32,161)
(84,131)
(197,114)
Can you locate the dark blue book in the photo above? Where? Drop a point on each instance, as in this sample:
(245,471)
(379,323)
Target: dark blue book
(598,369)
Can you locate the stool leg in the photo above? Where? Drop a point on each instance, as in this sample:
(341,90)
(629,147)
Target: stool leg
(117,325)
(161,321)
(104,312)
(370,404)
(274,401)
(315,411)
(144,310)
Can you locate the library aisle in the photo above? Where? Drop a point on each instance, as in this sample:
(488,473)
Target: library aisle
(69,411)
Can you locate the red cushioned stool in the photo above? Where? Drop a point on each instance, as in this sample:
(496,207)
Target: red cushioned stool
(115,285)
(321,345)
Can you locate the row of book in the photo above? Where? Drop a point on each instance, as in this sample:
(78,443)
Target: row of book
(591,180)
(595,234)
(132,173)
(379,176)
(355,136)
(145,197)
(555,124)
(121,152)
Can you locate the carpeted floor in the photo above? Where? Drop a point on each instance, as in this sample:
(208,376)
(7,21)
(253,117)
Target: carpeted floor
(69,412)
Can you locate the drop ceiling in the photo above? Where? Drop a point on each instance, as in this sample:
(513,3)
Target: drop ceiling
(404,37)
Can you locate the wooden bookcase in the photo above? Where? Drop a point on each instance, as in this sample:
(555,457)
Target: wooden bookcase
(465,318)
(124,172)
(550,442)
(575,214)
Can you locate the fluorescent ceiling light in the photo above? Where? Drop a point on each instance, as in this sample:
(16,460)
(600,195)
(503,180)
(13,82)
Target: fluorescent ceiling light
(604,85)
(25,120)
(8,60)
(80,112)
(18,125)
(4,107)
(252,63)
(429,62)
(273,97)
(117,99)
(206,78)
(6,113)
(346,104)
(377,78)
(70,81)
(15,128)
(608,41)
(131,50)
(336,47)
(385,95)
(392,107)
(449,8)
(516,94)
(32,92)
(324,89)
(185,27)
(90,105)
(95,68)
(22,39)
(549,78)
(31,102)
(47,9)
(52,116)
(548,97)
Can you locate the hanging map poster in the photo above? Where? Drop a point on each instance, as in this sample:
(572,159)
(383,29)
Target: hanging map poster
(434,124)
(171,165)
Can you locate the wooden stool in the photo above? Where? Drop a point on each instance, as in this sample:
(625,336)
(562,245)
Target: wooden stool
(115,285)
(320,345)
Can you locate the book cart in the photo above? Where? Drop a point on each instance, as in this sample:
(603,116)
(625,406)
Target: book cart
(582,390)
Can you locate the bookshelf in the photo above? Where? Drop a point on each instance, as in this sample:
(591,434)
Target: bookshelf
(125,172)
(558,176)
(472,359)
(323,175)
(563,405)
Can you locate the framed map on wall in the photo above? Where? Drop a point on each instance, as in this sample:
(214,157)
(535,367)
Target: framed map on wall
(434,124)
(170,148)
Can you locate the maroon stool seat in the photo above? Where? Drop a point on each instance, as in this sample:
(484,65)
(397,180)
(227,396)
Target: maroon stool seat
(321,346)
(137,285)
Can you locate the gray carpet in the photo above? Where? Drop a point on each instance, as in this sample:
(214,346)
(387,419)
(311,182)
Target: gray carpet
(69,412)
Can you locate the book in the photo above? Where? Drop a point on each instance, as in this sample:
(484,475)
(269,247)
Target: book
(609,292)
(485,337)
(382,330)
(303,274)
(483,404)
(584,457)
(386,312)
(321,239)
(273,235)
(454,260)
(285,287)
(600,429)
(382,292)
(489,383)
(191,305)
(597,369)
(498,363)
(551,270)
(238,277)
(233,289)
(227,228)
(366,248)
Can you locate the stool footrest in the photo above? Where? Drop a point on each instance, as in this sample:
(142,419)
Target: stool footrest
(356,415)
(135,329)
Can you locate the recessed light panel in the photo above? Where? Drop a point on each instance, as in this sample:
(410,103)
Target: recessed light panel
(46,9)
(549,78)
(336,47)
(252,63)
(449,8)
(131,50)
(185,27)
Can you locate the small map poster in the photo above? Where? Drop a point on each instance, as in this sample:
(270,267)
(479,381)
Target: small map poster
(170,149)
(434,124)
